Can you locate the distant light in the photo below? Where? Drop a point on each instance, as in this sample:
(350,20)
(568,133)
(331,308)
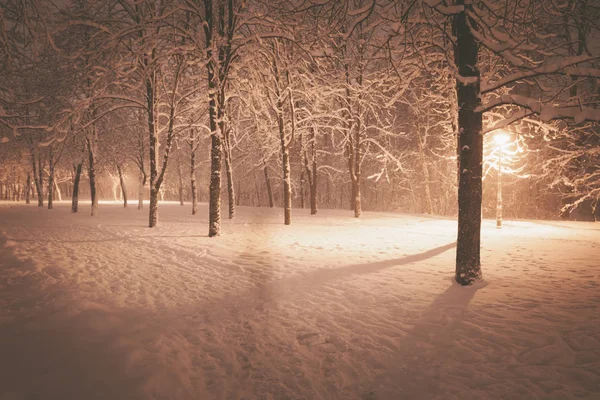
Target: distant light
(501,138)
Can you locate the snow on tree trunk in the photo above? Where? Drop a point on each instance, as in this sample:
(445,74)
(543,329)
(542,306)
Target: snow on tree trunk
(287,187)
(470,145)
(225,131)
(75,199)
(153,135)
(92,176)
(214,201)
(285,165)
(58,192)
(122,183)
(141,191)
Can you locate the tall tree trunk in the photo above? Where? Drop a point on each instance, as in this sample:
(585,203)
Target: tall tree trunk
(426,183)
(58,192)
(470,146)
(193,176)
(75,198)
(153,144)
(122,183)
(257,191)
(92,175)
(38,178)
(214,201)
(51,181)
(268,183)
(287,187)
(313,180)
(228,169)
(180,176)
(141,186)
(28,189)
(303,163)
(285,165)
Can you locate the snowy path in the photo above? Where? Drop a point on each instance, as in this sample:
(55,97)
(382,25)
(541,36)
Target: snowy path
(328,308)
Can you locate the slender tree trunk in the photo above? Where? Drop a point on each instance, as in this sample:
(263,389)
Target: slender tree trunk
(313,180)
(285,164)
(58,191)
(153,142)
(470,146)
(302,184)
(268,183)
(28,189)
(122,183)
(75,198)
(228,169)
(180,176)
(287,187)
(193,177)
(426,183)
(141,190)
(51,182)
(92,175)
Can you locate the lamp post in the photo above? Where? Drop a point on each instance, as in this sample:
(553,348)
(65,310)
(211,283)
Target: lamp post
(501,139)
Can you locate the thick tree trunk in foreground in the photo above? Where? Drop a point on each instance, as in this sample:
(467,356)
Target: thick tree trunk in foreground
(75,199)
(214,201)
(470,147)
(122,183)
(92,176)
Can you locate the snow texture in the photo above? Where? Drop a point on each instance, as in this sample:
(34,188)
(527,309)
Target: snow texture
(331,307)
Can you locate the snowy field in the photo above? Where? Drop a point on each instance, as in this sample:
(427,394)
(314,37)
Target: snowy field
(328,308)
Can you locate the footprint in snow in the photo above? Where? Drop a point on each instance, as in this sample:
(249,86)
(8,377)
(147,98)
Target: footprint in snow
(308,338)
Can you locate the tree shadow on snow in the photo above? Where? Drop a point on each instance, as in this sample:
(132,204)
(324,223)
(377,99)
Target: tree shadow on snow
(431,350)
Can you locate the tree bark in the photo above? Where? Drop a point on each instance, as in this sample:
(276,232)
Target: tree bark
(38,178)
(268,183)
(228,168)
(470,147)
(142,184)
(180,176)
(75,198)
(92,175)
(51,181)
(193,176)
(122,183)
(313,180)
(428,202)
(28,189)
(153,143)
(214,206)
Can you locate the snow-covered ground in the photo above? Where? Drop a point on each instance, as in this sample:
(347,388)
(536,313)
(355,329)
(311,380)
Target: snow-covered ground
(330,307)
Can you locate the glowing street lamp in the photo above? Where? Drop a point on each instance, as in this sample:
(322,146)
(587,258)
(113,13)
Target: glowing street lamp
(501,139)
